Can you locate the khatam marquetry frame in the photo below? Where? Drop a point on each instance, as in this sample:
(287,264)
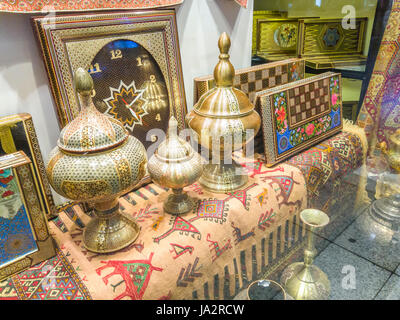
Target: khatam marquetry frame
(17,132)
(28,186)
(268,123)
(54,34)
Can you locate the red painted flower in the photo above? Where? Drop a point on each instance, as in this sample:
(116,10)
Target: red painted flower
(334,98)
(310,129)
(7,194)
(281,114)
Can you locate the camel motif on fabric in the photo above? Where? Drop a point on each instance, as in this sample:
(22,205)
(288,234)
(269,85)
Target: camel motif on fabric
(216,250)
(134,273)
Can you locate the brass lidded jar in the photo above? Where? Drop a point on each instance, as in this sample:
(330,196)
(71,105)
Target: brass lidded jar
(223,120)
(97,161)
(175,165)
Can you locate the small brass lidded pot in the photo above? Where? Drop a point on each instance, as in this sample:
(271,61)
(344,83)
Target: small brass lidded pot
(97,161)
(223,120)
(175,165)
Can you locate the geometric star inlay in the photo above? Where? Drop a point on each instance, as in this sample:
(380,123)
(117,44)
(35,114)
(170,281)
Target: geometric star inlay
(127,105)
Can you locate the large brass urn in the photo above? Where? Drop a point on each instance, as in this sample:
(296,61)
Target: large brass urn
(175,165)
(96,161)
(223,120)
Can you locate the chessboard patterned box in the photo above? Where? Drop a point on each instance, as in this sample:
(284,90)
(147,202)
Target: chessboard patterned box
(256,78)
(299,114)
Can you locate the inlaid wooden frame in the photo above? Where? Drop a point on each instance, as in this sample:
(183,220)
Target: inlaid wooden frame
(25,239)
(68,42)
(17,132)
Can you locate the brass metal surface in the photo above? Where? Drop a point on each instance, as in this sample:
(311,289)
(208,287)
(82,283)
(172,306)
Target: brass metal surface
(303,280)
(223,120)
(393,152)
(175,165)
(385,211)
(96,161)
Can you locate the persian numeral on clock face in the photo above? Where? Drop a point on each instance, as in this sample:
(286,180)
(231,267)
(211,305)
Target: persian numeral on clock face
(139,60)
(116,54)
(158,117)
(94,68)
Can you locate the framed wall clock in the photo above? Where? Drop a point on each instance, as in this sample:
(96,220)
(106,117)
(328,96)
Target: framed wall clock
(133,58)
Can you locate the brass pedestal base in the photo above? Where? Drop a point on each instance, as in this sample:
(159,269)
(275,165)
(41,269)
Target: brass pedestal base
(305,282)
(386,211)
(178,203)
(222,178)
(110,231)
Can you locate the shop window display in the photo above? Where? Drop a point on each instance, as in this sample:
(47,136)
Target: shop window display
(186,171)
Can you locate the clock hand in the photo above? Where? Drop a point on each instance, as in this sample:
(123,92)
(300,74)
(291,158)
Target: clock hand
(126,104)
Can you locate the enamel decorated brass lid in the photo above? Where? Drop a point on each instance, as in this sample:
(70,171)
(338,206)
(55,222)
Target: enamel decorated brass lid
(90,131)
(224,99)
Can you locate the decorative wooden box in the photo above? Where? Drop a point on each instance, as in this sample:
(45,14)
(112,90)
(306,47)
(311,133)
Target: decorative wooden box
(257,78)
(325,43)
(17,132)
(25,239)
(277,38)
(262,15)
(299,114)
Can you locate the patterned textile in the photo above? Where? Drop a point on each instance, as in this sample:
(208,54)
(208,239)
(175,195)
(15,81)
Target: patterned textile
(380,112)
(326,162)
(211,253)
(54,5)
(54,279)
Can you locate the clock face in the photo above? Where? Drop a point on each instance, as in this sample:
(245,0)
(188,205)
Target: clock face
(130,87)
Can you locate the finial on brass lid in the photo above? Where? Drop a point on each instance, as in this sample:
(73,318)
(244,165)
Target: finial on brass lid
(83,82)
(172,127)
(224,71)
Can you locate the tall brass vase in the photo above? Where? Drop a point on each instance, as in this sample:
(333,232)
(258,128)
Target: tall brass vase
(303,280)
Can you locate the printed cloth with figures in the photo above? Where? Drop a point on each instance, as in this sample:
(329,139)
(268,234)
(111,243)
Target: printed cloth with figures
(209,253)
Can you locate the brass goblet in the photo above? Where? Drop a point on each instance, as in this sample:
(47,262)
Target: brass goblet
(303,280)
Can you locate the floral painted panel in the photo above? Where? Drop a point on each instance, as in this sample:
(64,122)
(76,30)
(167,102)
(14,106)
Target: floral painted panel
(300,114)
(292,108)
(16,236)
